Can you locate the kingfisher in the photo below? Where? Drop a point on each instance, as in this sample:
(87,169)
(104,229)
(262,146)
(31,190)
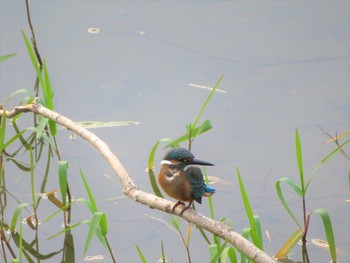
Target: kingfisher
(181,179)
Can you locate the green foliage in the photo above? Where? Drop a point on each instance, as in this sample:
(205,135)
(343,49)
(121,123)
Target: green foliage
(329,232)
(27,99)
(16,216)
(99,224)
(289,244)
(255,226)
(5,57)
(94,226)
(283,200)
(2,132)
(63,180)
(302,191)
(142,257)
(221,254)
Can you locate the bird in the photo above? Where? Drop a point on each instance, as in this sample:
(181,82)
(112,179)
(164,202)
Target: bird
(181,179)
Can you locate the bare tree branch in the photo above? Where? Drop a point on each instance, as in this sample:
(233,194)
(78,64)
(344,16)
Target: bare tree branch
(132,191)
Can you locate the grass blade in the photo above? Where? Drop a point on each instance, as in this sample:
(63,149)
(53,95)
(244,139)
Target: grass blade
(93,226)
(329,232)
(10,141)
(207,101)
(245,234)
(163,253)
(289,244)
(5,57)
(205,126)
(253,233)
(67,229)
(300,161)
(2,131)
(142,257)
(62,179)
(91,197)
(16,215)
(20,91)
(281,197)
(104,225)
(150,167)
(257,224)
(48,97)
(326,159)
(34,60)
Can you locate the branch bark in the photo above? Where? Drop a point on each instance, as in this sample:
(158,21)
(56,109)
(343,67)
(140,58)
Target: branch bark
(132,191)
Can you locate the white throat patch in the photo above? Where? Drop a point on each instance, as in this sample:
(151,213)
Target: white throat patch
(165,162)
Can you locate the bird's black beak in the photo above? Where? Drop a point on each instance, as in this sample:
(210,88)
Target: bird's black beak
(200,162)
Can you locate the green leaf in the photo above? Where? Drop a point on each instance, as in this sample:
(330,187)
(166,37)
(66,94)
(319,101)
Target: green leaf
(300,161)
(16,215)
(151,155)
(2,131)
(86,203)
(62,179)
(289,244)
(210,198)
(232,255)
(205,126)
(55,213)
(48,140)
(249,211)
(47,91)
(32,178)
(151,158)
(5,57)
(216,252)
(20,91)
(207,101)
(325,160)
(245,234)
(67,229)
(329,232)
(93,226)
(48,96)
(34,60)
(40,128)
(281,197)
(104,225)
(163,253)
(175,221)
(10,141)
(257,224)
(142,257)
(91,197)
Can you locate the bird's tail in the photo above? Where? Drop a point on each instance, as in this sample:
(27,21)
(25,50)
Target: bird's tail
(209,191)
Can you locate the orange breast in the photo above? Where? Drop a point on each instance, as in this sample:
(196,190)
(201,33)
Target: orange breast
(176,186)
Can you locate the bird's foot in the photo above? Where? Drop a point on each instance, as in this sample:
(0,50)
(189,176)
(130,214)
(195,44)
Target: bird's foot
(178,203)
(183,209)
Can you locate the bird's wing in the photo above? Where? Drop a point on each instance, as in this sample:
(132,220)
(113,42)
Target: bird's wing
(195,175)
